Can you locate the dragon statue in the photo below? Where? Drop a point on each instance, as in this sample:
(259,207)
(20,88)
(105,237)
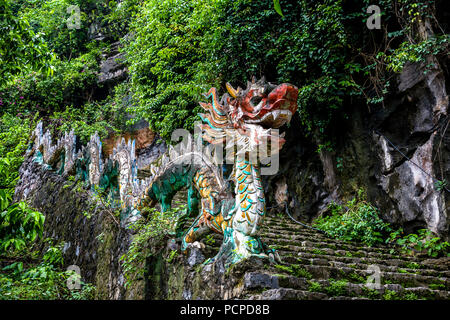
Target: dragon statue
(242,120)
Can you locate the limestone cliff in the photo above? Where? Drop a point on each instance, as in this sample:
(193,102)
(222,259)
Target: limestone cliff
(397,153)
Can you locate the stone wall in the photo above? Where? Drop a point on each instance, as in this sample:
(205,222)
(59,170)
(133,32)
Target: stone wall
(90,237)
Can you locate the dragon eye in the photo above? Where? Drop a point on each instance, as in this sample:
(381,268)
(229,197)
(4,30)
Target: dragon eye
(255,100)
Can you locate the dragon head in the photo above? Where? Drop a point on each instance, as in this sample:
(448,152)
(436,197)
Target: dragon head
(262,103)
(249,116)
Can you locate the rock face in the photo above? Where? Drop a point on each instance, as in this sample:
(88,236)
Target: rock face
(112,68)
(414,120)
(94,241)
(398,153)
(299,183)
(410,184)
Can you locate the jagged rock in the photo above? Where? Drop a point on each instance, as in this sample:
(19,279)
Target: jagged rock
(172,245)
(195,257)
(260,280)
(281,196)
(93,243)
(187,295)
(112,68)
(410,183)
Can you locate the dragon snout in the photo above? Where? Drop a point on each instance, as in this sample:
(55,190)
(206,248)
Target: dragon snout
(284,97)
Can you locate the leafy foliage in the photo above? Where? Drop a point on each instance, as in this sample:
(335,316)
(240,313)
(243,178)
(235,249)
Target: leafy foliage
(175,50)
(277,7)
(163,55)
(71,85)
(43,281)
(51,17)
(358,220)
(412,52)
(14,134)
(21,48)
(423,241)
(336,287)
(19,224)
(180,48)
(88,119)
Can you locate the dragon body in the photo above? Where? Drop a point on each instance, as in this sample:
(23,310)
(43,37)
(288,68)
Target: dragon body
(246,118)
(242,122)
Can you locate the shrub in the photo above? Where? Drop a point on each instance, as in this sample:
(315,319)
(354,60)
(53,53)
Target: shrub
(50,17)
(88,119)
(424,241)
(315,286)
(357,221)
(71,84)
(44,281)
(20,225)
(337,287)
(14,135)
(163,56)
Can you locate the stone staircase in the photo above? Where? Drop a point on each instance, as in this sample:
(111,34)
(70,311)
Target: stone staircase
(315,266)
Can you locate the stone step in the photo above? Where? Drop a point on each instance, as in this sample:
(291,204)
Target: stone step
(292,249)
(362,290)
(299,239)
(303,235)
(355,260)
(288,250)
(361,265)
(428,293)
(348,298)
(289,228)
(337,289)
(316,266)
(330,245)
(288,294)
(285,223)
(322,272)
(293,230)
(307,259)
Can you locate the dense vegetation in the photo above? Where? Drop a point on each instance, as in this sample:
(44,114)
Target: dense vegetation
(174,51)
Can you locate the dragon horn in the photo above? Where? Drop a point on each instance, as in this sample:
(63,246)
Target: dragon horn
(231,90)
